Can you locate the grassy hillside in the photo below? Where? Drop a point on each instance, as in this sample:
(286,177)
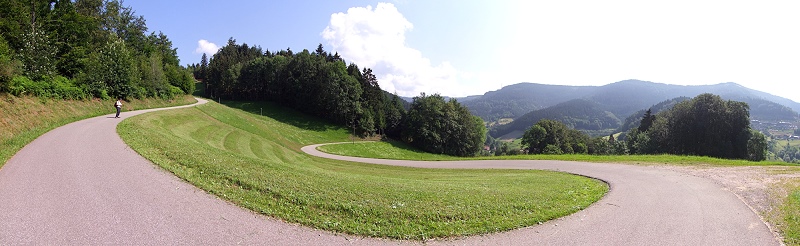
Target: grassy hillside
(255,161)
(23,119)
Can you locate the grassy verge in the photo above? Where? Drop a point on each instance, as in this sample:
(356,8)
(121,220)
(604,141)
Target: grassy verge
(255,161)
(788,213)
(23,119)
(401,151)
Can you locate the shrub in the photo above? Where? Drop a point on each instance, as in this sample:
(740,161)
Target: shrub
(174,91)
(551,149)
(58,87)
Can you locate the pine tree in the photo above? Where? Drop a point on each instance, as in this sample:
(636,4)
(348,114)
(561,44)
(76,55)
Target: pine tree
(647,121)
(203,67)
(320,51)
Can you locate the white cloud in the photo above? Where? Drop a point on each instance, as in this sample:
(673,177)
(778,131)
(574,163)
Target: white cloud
(375,38)
(203,46)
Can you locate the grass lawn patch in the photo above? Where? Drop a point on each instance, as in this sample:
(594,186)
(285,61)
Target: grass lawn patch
(255,161)
(384,150)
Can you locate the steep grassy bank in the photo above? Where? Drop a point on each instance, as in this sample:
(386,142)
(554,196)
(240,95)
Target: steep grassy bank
(23,119)
(255,161)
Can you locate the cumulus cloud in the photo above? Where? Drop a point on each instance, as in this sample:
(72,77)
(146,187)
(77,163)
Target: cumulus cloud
(203,46)
(375,38)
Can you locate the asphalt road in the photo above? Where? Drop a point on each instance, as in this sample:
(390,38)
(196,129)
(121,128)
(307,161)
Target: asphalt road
(81,185)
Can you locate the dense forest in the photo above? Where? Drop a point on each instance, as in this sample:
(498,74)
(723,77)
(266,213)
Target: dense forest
(85,48)
(703,126)
(321,84)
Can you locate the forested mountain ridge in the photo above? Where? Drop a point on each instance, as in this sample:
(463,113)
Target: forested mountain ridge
(578,114)
(622,98)
(516,100)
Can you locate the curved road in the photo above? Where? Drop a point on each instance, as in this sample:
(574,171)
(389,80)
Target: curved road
(80,184)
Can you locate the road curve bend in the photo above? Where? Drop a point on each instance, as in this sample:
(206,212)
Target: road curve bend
(644,206)
(81,185)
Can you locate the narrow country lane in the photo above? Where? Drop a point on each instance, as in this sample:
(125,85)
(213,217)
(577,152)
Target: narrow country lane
(81,185)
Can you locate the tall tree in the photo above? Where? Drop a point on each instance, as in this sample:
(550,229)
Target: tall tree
(647,121)
(38,55)
(203,67)
(532,137)
(111,71)
(320,51)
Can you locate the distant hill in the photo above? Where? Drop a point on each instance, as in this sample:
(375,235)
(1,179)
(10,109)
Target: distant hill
(622,98)
(516,100)
(578,113)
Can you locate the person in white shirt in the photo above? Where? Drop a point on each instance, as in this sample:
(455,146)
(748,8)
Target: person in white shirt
(118,105)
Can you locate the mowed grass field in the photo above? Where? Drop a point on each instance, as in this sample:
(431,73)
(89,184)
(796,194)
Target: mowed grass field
(255,161)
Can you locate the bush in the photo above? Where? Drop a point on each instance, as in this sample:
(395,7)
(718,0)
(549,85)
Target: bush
(8,69)
(174,91)
(551,149)
(58,88)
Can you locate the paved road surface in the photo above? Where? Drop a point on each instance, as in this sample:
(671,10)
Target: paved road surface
(80,184)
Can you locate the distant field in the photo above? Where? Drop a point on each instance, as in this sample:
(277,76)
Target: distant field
(512,135)
(504,121)
(255,162)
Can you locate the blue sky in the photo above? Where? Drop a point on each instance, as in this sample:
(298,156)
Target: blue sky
(459,48)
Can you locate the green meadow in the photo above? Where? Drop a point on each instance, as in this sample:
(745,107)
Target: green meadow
(255,161)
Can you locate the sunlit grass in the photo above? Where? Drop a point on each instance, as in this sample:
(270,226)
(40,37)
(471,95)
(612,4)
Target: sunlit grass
(790,215)
(255,161)
(384,150)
